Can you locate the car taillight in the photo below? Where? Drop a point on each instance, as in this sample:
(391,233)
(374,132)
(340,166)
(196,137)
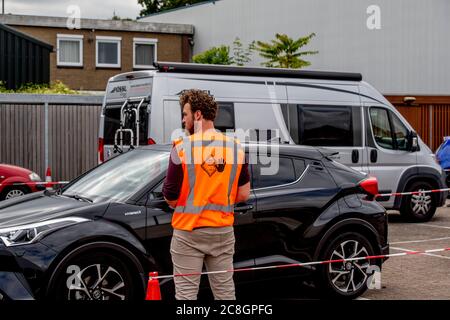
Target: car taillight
(150,141)
(370,186)
(101,153)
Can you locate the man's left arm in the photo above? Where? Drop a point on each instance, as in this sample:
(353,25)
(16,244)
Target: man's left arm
(243,192)
(174,180)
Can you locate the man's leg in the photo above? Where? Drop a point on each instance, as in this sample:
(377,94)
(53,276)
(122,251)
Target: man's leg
(185,259)
(222,284)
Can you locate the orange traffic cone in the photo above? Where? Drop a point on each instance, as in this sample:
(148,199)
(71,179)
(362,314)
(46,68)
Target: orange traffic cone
(153,290)
(48,178)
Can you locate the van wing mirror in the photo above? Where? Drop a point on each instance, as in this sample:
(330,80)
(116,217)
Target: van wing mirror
(413,142)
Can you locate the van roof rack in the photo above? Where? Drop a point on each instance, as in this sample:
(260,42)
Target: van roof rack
(254,71)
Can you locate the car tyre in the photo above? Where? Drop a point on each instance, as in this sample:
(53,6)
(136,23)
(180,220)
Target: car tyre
(346,280)
(94,276)
(421,207)
(13,192)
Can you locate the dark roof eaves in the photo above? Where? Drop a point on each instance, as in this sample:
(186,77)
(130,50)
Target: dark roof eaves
(26,36)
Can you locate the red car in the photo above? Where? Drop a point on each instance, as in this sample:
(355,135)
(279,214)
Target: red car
(9,175)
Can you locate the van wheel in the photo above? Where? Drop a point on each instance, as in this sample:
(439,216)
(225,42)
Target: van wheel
(94,276)
(345,280)
(13,192)
(420,207)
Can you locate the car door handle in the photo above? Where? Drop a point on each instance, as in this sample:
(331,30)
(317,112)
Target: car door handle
(355,156)
(243,209)
(373,155)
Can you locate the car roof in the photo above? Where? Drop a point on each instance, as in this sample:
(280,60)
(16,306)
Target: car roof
(283,149)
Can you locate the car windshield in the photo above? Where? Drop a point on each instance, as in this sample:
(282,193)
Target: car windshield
(120,177)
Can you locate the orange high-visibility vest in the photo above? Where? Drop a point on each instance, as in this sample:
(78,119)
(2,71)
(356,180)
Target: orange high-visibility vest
(211,163)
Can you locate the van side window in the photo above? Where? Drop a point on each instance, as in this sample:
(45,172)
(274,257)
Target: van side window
(318,125)
(286,174)
(381,128)
(225,117)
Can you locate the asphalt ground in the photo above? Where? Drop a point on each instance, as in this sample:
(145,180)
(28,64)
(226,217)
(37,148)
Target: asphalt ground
(418,277)
(411,277)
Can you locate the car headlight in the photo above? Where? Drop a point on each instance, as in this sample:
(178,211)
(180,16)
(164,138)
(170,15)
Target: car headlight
(30,233)
(34,177)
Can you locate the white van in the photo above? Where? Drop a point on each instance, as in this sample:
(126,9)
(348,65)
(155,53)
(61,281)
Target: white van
(334,110)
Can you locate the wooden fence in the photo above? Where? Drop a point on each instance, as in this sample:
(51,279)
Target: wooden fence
(40,131)
(429,116)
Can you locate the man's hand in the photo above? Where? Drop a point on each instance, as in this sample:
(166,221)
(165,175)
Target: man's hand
(171,203)
(243,193)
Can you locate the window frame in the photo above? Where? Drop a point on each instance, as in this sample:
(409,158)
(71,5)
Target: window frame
(255,178)
(69,37)
(108,39)
(355,142)
(391,127)
(150,41)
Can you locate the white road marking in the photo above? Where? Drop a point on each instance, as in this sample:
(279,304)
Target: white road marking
(427,254)
(419,241)
(433,226)
(361,298)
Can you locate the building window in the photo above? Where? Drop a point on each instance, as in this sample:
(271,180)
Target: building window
(107,53)
(70,50)
(144,52)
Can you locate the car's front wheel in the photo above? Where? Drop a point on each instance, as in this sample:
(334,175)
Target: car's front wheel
(346,279)
(94,276)
(419,207)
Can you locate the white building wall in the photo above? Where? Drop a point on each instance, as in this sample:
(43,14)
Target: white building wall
(410,54)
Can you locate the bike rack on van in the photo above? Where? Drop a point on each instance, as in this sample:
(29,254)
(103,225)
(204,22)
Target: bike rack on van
(125,112)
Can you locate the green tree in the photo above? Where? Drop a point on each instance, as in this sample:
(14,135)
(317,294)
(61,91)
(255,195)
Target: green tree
(242,56)
(283,52)
(154,6)
(214,55)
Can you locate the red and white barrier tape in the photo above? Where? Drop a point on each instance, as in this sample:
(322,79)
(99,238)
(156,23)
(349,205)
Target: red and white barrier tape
(291,265)
(410,193)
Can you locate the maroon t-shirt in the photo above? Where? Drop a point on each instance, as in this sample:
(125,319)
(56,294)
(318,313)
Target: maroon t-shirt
(174,179)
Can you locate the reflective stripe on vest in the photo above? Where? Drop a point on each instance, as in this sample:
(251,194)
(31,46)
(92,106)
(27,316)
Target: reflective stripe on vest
(188,146)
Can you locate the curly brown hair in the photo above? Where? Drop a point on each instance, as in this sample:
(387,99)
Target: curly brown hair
(200,100)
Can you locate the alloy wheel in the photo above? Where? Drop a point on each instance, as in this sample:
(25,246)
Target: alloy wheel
(421,203)
(97,282)
(349,276)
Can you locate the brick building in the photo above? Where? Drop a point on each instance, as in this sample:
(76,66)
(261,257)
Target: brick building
(85,58)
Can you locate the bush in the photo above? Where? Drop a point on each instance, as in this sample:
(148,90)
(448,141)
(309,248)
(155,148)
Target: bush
(55,88)
(214,55)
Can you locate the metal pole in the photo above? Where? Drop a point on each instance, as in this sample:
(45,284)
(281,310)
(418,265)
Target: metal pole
(3,6)
(431,127)
(46,138)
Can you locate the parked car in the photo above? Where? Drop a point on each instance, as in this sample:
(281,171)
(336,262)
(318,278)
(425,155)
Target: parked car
(10,175)
(334,110)
(443,156)
(99,236)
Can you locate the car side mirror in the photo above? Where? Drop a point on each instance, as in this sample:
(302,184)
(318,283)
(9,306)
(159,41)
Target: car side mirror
(160,204)
(413,141)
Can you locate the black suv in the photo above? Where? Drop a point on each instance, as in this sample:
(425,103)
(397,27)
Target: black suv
(100,236)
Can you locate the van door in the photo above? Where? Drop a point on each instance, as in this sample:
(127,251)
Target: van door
(335,127)
(387,149)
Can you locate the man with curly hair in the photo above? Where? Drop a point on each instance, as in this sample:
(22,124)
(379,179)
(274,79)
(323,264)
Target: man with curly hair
(207,175)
